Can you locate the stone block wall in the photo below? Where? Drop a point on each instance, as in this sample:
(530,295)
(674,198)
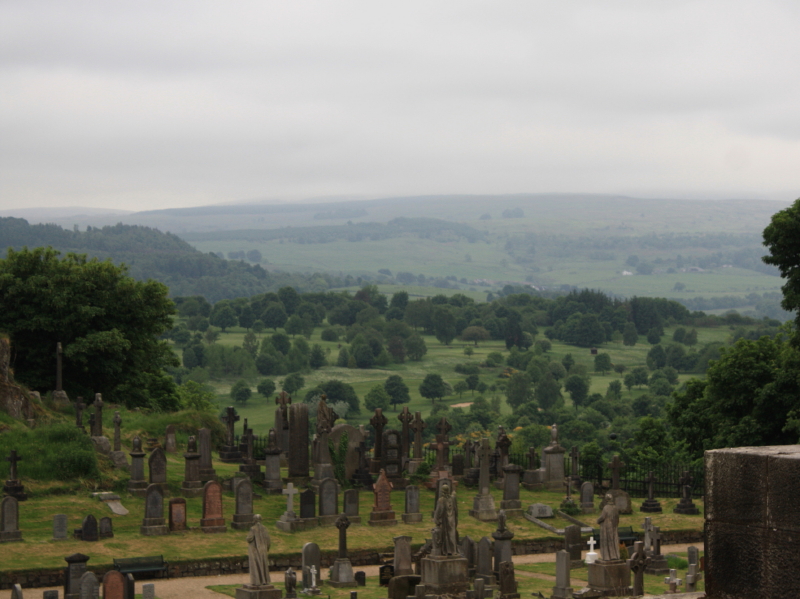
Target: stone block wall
(752,522)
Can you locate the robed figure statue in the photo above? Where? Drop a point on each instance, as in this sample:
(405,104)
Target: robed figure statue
(258,553)
(445,517)
(609,536)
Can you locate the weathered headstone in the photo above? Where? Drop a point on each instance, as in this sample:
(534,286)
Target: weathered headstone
(311,558)
(354,438)
(177,514)
(308,505)
(289,521)
(59,527)
(483,504)
(412,512)
(382,513)
(170,443)
(207,471)
(148,591)
(9,520)
(638,564)
(153,521)
(13,487)
(88,530)
(361,578)
(658,563)
(508,582)
(621,499)
(587,498)
(157,463)
(693,555)
(378,422)
(53,594)
(229,453)
(385,574)
(213,520)
(502,543)
(686,505)
(483,563)
(651,505)
(114,585)
(553,458)
(243,516)
(573,543)
(283,401)
(469,549)
(328,502)
(540,511)
(342,569)
(402,556)
(673,581)
(290,579)
(191,486)
(693,576)
(392,454)
(272,464)
(137,484)
(351,506)
(76,567)
(511,480)
(106,528)
(562,590)
(298,440)
(90,587)
(97,429)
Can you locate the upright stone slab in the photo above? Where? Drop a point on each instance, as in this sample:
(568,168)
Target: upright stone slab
(137,485)
(298,439)
(114,585)
(511,481)
(508,582)
(354,438)
(469,550)
(502,543)
(243,516)
(483,504)
(483,564)
(192,486)
(213,521)
(153,523)
(587,498)
(148,591)
(553,456)
(342,569)
(651,505)
(177,514)
(90,587)
(273,483)
(392,455)
(59,527)
(157,463)
(693,555)
(50,594)
(207,471)
(308,508)
(106,528)
(573,543)
(402,556)
(562,590)
(412,512)
(311,557)
(9,520)
(76,568)
(351,506)
(170,443)
(382,513)
(328,502)
(97,428)
(88,530)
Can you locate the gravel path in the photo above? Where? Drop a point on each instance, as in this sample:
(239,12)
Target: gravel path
(195,587)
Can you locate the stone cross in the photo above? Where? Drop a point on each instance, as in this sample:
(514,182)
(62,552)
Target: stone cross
(655,538)
(591,543)
(230,419)
(638,564)
(651,486)
(290,492)
(533,457)
(692,578)
(59,383)
(575,455)
(615,465)
(686,485)
(378,421)
(117,435)
(405,419)
(283,400)
(79,408)
(568,485)
(13,458)
(440,445)
(648,529)
(673,581)
(342,523)
(313,570)
(97,430)
(467,448)
(418,426)
(443,427)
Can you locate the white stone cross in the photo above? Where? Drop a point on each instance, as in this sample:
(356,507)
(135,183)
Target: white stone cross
(673,581)
(692,578)
(591,543)
(290,492)
(313,569)
(591,555)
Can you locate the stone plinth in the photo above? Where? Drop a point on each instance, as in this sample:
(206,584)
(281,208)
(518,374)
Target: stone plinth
(15,489)
(342,574)
(483,508)
(264,591)
(230,454)
(153,527)
(553,465)
(610,578)
(412,518)
(651,506)
(382,518)
(686,507)
(444,575)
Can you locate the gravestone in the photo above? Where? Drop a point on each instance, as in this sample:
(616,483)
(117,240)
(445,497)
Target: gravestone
(177,514)
(562,590)
(170,443)
(243,516)
(508,582)
(403,586)
(117,455)
(540,511)
(289,577)
(468,549)
(148,591)
(354,438)
(483,504)
(686,506)
(157,463)
(229,453)
(693,555)
(213,520)
(272,465)
(511,480)
(651,505)
(406,418)
(412,512)
(153,522)
(308,506)
(192,485)
(50,594)
(90,587)
(378,422)
(483,562)
(385,574)
(621,499)
(289,522)
(351,506)
(553,458)
(362,478)
(207,471)
(573,543)
(417,426)
(402,556)
(88,530)
(341,574)
(298,440)
(382,513)
(137,485)
(658,563)
(76,568)
(638,563)
(502,543)
(457,465)
(283,400)
(59,527)
(361,578)
(114,585)
(311,557)
(328,502)
(9,520)
(693,576)
(587,498)
(106,528)
(392,454)
(97,428)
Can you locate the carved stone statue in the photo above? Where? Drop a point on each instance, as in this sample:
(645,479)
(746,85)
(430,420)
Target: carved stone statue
(554,435)
(191,446)
(290,581)
(258,553)
(325,416)
(609,536)
(272,440)
(445,518)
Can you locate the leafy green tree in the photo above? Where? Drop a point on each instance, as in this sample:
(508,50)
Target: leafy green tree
(567,362)
(250,343)
(475,334)
(472,382)
(656,357)
(557,370)
(364,356)
(397,349)
(294,325)
(691,338)
(274,316)
(377,397)
(578,389)
(620,368)
(444,324)
(640,375)
(246,317)
(614,390)
(280,342)
(223,316)
(197,396)
(630,381)
(337,391)
(293,383)
(266,387)
(397,389)
(460,387)
(433,387)
(780,238)
(547,391)
(211,335)
(316,359)
(109,326)
(289,298)
(602,363)
(518,390)
(416,348)
(241,392)
(629,334)
(679,335)
(544,345)
(653,336)
(399,300)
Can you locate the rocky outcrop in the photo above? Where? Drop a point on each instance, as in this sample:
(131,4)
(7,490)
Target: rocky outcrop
(14,399)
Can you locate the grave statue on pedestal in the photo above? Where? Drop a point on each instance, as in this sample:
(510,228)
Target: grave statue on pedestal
(258,543)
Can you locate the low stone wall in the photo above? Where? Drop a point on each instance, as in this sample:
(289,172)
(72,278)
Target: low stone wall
(281,562)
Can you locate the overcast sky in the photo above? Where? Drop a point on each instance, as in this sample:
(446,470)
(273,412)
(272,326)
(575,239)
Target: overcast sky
(142,105)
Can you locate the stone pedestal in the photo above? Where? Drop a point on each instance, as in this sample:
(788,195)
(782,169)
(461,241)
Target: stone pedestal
(651,506)
(658,565)
(272,472)
(411,518)
(264,591)
(137,485)
(687,507)
(212,525)
(532,479)
(230,454)
(289,523)
(382,518)
(610,578)
(553,458)
(15,489)
(483,508)
(444,575)
(252,471)
(342,574)
(153,527)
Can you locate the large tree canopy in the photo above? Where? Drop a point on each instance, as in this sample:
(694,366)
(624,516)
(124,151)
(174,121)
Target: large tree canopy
(108,324)
(782,238)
